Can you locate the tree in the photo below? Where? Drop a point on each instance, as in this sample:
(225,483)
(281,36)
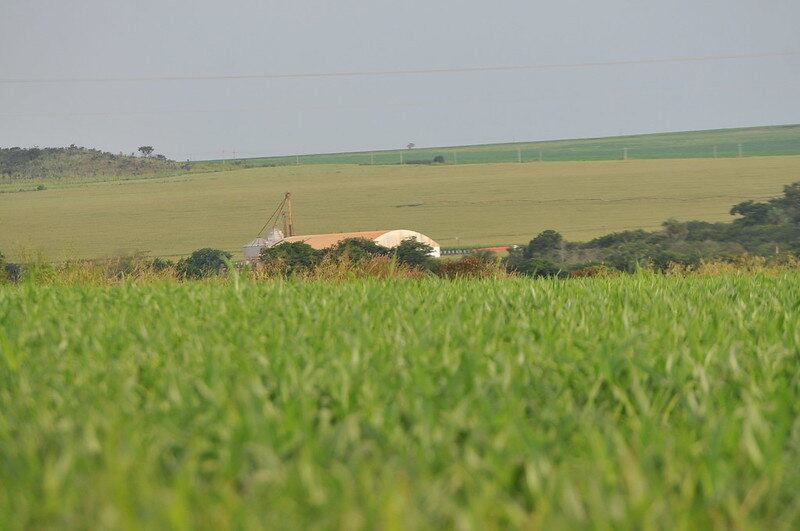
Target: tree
(410,145)
(415,253)
(204,263)
(631,256)
(674,229)
(754,213)
(790,202)
(145,150)
(547,243)
(356,249)
(291,256)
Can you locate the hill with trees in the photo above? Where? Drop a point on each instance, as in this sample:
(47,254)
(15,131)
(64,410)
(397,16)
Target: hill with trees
(63,162)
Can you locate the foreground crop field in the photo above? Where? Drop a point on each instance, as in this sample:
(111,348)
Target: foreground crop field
(456,205)
(635,402)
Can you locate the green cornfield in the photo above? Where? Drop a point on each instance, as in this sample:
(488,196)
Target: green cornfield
(640,401)
(724,143)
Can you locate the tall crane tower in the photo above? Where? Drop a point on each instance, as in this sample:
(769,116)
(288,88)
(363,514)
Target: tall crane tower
(283,215)
(286,212)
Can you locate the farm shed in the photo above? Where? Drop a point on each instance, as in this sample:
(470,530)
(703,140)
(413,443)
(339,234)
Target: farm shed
(387,238)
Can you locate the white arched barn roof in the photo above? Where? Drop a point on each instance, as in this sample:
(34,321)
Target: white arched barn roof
(387,238)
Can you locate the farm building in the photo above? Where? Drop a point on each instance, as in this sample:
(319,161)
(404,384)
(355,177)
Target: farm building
(386,238)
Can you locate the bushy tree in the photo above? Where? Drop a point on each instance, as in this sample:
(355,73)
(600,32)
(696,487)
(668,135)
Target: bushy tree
(630,256)
(790,202)
(145,150)
(160,264)
(753,213)
(615,238)
(204,263)
(291,256)
(514,260)
(545,244)
(357,249)
(415,253)
(674,229)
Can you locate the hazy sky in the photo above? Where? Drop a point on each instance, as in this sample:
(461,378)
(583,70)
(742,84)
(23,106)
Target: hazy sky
(110,39)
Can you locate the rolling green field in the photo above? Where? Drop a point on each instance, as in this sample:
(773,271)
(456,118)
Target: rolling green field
(633,402)
(476,204)
(755,141)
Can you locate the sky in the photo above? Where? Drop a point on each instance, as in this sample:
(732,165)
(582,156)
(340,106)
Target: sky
(112,74)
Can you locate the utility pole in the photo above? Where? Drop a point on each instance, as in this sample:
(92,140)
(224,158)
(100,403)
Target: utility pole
(624,153)
(519,155)
(740,150)
(297,159)
(371,157)
(455,157)
(715,151)
(540,155)
(401,157)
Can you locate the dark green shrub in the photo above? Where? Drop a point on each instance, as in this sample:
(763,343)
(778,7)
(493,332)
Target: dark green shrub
(12,272)
(160,264)
(204,263)
(415,254)
(547,243)
(291,257)
(357,249)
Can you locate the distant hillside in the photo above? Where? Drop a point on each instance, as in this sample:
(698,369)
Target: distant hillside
(74,161)
(716,143)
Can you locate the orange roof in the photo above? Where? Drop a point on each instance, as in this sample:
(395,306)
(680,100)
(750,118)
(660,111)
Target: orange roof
(323,241)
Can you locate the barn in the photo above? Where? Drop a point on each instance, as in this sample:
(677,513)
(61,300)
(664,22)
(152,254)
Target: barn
(386,238)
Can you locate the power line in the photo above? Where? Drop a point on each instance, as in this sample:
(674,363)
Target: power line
(404,72)
(221,110)
(299,108)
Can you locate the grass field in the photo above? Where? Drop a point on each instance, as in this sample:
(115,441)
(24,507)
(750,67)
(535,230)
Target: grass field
(632,402)
(755,141)
(456,205)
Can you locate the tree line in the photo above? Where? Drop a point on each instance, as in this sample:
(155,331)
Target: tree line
(766,229)
(769,229)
